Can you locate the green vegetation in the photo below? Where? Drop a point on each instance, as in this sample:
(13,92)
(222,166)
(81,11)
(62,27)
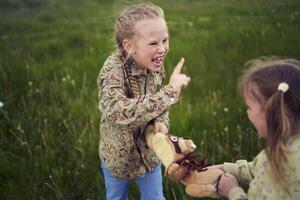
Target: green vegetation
(50,55)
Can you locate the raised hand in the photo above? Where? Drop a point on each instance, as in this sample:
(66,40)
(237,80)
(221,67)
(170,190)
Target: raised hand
(177,79)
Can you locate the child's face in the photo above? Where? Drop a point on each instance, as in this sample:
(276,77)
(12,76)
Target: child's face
(151,43)
(256,114)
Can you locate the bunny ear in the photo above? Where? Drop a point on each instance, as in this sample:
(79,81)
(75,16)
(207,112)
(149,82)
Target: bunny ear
(165,150)
(149,132)
(162,146)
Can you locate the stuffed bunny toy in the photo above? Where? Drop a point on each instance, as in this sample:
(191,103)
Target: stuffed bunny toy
(176,154)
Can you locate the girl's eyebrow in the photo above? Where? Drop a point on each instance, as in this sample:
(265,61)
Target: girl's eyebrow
(154,40)
(166,37)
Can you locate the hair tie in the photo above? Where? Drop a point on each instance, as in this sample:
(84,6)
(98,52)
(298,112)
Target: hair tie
(283,86)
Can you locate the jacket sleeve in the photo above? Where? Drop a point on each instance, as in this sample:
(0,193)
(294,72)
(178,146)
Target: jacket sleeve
(244,172)
(241,169)
(237,193)
(164,118)
(132,112)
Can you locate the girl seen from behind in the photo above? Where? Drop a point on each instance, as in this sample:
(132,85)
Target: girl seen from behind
(271,91)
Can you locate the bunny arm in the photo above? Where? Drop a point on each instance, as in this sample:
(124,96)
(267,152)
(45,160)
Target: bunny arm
(176,172)
(200,184)
(201,190)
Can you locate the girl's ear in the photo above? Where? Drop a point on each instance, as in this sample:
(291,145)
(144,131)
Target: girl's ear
(128,46)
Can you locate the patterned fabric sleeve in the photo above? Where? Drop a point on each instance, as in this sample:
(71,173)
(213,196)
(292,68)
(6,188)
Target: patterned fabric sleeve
(242,170)
(164,118)
(130,112)
(237,193)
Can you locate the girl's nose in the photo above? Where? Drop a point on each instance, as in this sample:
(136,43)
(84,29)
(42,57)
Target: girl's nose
(161,49)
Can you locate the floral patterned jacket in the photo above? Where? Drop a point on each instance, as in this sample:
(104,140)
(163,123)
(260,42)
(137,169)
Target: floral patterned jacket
(123,148)
(261,182)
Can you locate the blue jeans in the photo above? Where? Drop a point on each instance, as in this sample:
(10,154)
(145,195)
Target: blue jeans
(150,185)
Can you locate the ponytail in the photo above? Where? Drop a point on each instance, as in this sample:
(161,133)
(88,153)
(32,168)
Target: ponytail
(279,129)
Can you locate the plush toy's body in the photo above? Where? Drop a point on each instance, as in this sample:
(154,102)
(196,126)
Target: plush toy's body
(181,165)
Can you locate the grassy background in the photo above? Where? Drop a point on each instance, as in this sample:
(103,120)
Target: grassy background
(50,55)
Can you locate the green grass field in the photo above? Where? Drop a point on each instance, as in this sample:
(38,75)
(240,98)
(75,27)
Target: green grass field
(50,55)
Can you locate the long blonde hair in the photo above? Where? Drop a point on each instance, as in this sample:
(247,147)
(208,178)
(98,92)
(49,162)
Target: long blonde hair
(282,109)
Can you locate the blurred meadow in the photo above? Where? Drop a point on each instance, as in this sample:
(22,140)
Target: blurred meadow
(50,55)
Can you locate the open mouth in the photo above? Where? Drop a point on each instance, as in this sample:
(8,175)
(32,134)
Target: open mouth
(158,61)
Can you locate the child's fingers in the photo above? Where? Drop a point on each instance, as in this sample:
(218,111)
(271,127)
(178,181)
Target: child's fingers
(164,129)
(156,128)
(160,127)
(188,78)
(178,67)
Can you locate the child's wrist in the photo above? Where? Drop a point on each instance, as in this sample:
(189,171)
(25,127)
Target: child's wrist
(178,90)
(172,93)
(236,191)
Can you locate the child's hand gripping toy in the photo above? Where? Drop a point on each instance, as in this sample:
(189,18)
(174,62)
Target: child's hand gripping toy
(176,154)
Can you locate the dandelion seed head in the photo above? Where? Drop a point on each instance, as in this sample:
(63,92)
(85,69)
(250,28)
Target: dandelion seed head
(19,127)
(278,24)
(1,104)
(226,109)
(226,128)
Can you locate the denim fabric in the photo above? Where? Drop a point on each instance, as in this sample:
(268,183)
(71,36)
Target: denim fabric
(150,185)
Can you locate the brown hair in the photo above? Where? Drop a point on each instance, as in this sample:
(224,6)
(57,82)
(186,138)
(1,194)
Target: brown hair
(129,16)
(282,109)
